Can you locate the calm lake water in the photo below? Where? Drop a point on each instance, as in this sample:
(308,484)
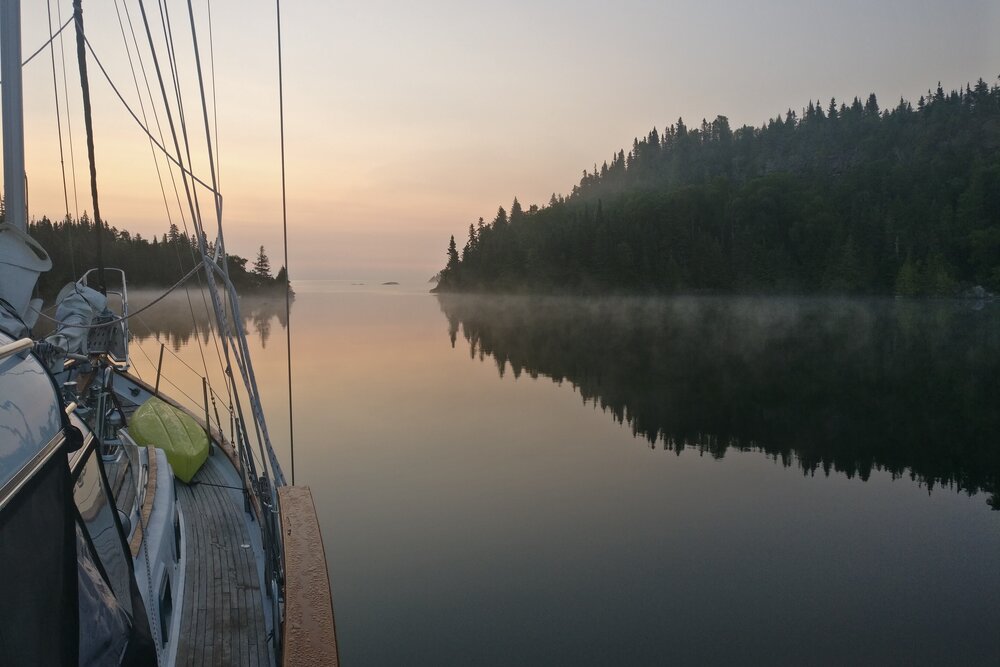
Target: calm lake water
(711,481)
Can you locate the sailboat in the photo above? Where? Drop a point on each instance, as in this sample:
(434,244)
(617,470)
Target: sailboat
(133,531)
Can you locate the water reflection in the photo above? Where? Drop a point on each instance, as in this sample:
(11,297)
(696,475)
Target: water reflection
(842,385)
(176,321)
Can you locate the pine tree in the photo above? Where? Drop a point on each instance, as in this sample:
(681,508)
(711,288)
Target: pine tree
(262,266)
(871,106)
(501,219)
(470,244)
(453,260)
(516,211)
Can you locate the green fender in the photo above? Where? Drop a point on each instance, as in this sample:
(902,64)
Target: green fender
(161,425)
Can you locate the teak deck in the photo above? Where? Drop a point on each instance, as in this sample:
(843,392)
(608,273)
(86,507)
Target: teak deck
(223,616)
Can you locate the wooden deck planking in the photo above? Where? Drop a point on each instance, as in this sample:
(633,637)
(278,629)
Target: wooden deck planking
(223,607)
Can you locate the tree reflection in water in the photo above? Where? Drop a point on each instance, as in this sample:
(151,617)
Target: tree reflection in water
(827,384)
(176,322)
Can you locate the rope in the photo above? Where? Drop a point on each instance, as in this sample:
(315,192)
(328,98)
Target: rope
(47,42)
(284,228)
(118,320)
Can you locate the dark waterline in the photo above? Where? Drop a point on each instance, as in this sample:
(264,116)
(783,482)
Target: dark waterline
(746,481)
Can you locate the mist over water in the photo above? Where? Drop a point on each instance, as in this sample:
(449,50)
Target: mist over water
(514,480)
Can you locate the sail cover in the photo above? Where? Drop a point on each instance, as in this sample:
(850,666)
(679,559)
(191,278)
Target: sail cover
(21,260)
(77,305)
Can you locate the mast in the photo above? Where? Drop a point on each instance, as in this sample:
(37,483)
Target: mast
(81,53)
(13,114)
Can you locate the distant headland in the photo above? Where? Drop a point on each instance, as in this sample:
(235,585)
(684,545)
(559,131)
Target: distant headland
(848,198)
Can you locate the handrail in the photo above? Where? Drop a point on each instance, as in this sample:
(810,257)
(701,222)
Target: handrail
(123,295)
(18,346)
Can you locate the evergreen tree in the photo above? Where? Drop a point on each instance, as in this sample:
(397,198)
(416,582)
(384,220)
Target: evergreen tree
(262,266)
(469,244)
(501,219)
(515,209)
(453,260)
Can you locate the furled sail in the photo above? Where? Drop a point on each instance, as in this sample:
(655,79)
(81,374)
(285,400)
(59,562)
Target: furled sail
(22,259)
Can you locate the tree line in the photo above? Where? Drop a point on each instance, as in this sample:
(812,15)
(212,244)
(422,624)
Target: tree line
(154,262)
(840,197)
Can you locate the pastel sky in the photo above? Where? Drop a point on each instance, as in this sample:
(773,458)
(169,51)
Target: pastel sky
(407,121)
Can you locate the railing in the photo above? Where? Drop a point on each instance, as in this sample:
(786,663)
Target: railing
(122,294)
(10,349)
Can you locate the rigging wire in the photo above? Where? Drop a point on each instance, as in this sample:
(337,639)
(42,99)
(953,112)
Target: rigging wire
(142,110)
(239,349)
(184,170)
(243,355)
(196,211)
(173,182)
(284,228)
(218,162)
(62,160)
(195,219)
(202,240)
(55,92)
(69,121)
(168,36)
(215,105)
(156,115)
(159,177)
(47,42)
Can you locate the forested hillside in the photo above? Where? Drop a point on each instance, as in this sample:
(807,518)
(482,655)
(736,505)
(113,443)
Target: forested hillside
(847,198)
(72,245)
